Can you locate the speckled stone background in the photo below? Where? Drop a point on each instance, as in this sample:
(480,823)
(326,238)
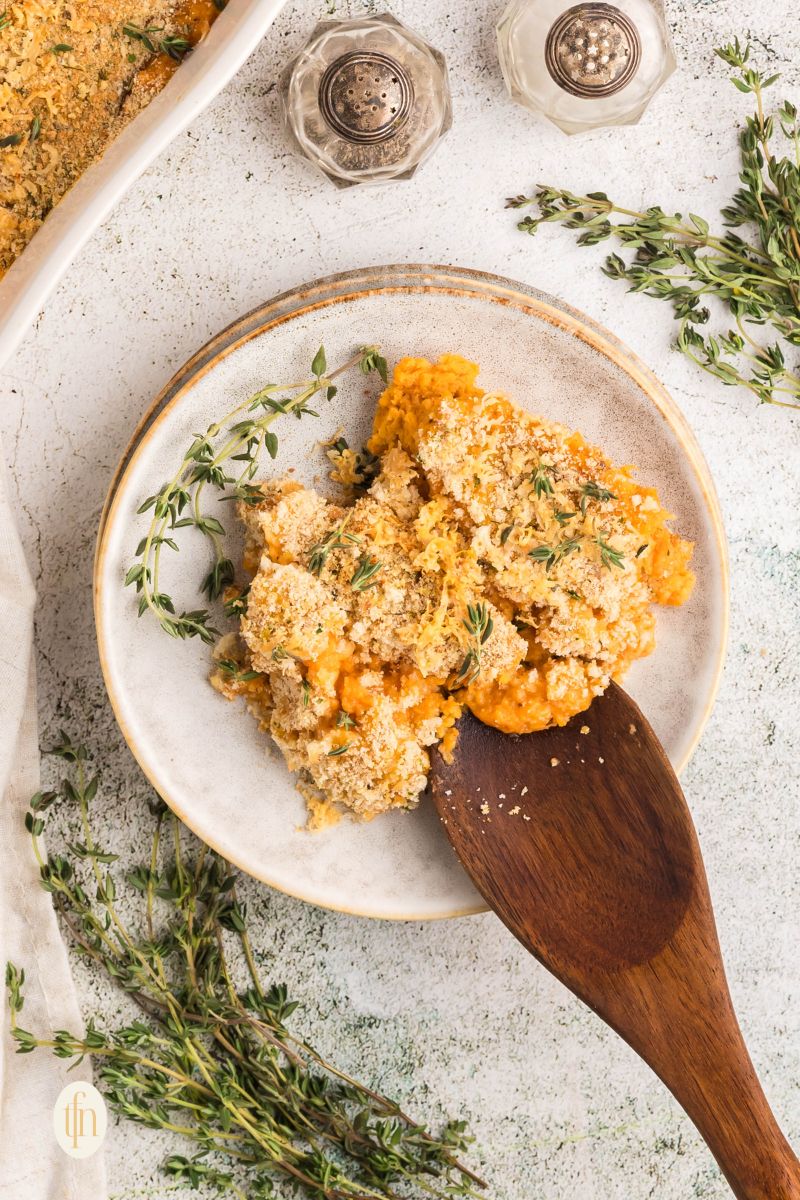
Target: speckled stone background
(451,1018)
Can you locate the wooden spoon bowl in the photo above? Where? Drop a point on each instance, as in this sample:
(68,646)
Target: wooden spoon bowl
(581,841)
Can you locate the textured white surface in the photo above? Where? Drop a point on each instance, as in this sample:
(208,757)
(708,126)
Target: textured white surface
(451,1017)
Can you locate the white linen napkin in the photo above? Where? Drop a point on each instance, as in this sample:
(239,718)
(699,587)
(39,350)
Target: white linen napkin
(32,1165)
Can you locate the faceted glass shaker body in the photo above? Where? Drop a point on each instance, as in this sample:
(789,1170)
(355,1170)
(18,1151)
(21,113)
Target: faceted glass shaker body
(585,66)
(366,100)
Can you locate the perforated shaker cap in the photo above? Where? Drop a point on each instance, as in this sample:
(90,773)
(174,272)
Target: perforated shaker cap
(366,96)
(593,50)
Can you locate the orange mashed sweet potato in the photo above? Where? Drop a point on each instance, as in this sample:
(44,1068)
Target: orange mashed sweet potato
(479,557)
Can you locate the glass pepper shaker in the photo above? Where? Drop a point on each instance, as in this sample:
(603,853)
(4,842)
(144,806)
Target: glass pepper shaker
(588,65)
(366,100)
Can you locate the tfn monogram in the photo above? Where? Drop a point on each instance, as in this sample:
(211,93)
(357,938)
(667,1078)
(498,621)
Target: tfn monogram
(75,1120)
(80,1119)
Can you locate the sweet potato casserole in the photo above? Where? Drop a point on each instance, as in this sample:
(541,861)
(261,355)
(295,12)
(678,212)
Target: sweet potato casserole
(479,556)
(71,76)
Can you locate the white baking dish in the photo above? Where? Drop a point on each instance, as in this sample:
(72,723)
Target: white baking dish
(26,286)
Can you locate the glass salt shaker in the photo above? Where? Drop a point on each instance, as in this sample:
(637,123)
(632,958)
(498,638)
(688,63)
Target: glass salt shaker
(588,65)
(366,100)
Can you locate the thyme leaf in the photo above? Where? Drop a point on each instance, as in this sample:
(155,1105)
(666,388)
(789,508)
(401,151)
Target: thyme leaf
(593,491)
(541,479)
(335,539)
(373,360)
(339,750)
(236,605)
(551,556)
(174,46)
(233,671)
(363,577)
(608,555)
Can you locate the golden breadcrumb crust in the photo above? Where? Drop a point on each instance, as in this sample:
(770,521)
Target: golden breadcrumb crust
(360,640)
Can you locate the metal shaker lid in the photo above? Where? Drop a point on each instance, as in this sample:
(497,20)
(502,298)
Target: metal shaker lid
(593,50)
(366,96)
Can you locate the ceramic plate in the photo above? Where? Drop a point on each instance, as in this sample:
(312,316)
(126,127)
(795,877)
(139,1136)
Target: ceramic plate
(207,758)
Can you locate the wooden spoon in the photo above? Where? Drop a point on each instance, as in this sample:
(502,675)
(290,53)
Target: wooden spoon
(581,841)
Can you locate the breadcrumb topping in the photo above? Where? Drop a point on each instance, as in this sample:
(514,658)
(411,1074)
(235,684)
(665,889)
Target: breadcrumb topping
(70,78)
(495,560)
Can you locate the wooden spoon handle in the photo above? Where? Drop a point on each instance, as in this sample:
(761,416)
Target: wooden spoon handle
(721,1093)
(698,1050)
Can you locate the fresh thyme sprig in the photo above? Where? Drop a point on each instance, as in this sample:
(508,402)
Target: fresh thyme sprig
(233,671)
(335,539)
(363,577)
(593,491)
(608,555)
(542,480)
(680,260)
(235,605)
(173,45)
(238,439)
(373,360)
(551,556)
(217,1063)
(480,626)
